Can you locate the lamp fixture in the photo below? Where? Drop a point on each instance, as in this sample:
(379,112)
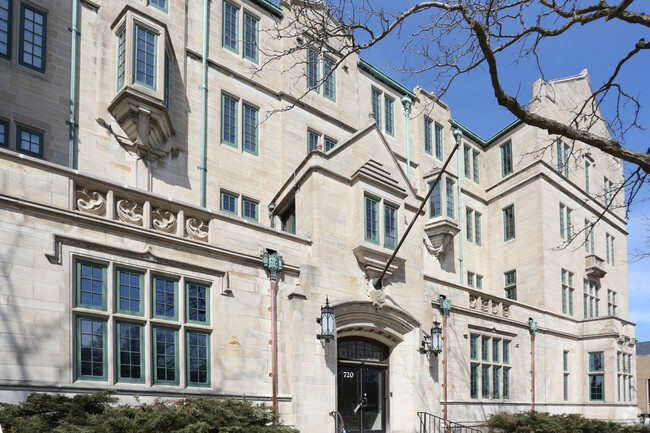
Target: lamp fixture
(326,321)
(432,343)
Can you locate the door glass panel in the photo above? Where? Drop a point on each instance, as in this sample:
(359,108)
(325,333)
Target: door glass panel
(349,397)
(373,389)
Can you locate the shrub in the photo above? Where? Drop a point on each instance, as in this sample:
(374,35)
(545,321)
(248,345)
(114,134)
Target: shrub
(100,413)
(540,422)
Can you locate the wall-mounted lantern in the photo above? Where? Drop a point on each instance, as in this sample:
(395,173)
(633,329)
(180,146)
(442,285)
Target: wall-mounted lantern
(432,343)
(532,327)
(326,321)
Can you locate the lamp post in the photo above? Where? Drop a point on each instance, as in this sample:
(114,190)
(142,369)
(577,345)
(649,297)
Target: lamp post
(273,263)
(445,308)
(532,329)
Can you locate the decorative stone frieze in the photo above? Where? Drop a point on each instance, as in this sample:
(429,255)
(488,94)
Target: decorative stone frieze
(197,229)
(163,220)
(488,305)
(92,202)
(130,211)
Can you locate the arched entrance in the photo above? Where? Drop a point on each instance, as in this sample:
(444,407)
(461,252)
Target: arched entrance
(362,387)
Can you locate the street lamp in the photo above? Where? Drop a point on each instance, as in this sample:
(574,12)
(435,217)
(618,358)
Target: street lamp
(432,343)
(326,321)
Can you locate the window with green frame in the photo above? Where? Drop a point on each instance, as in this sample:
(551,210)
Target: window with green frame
(435,202)
(496,377)
(160,4)
(250,209)
(506,159)
(469,222)
(428,136)
(563,153)
(33,38)
(29,141)
(5,28)
(470,278)
(229,202)
(438,137)
(477,228)
(389,114)
(313,70)
(449,184)
(145,56)
(473,381)
(509,223)
(372,219)
(250,125)
(121,58)
(313,138)
(589,238)
(130,292)
(165,298)
(565,365)
(485,348)
(496,344)
(390,226)
(567,292)
(198,358)
(510,284)
(251,38)
(165,355)
(329,144)
(467,159)
(485,381)
(130,352)
(475,158)
(329,78)
(479,282)
(609,249)
(494,368)
(91,348)
(91,285)
(230,36)
(596,376)
(4,133)
(376,106)
(506,383)
(473,346)
(229,120)
(197,301)
(566,227)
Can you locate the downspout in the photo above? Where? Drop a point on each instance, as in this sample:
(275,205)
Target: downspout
(406,102)
(458,135)
(72,121)
(445,308)
(273,264)
(204,100)
(532,329)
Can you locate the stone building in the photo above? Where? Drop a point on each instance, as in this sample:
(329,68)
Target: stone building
(147,166)
(643,377)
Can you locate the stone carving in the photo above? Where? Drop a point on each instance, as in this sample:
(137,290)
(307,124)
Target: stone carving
(495,307)
(197,229)
(473,300)
(92,202)
(485,305)
(378,299)
(506,310)
(163,220)
(130,212)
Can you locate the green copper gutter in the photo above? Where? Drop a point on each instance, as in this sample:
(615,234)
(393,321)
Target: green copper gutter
(474,136)
(271,7)
(204,101)
(72,121)
(389,81)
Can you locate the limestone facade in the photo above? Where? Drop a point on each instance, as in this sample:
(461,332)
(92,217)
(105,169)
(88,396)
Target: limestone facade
(114,275)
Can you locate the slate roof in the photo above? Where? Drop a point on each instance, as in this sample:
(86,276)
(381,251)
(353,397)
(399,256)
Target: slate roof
(643,348)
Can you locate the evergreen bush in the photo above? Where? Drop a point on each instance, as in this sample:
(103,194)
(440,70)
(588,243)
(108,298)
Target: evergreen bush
(540,422)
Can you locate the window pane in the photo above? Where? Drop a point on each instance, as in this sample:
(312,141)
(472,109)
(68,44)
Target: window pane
(230,18)
(197,303)
(250,129)
(438,141)
(229,121)
(313,65)
(372,220)
(435,202)
(428,136)
(91,285)
(165,355)
(329,75)
(32,35)
(145,57)
(450,198)
(91,348)
(388,108)
(506,159)
(165,297)
(250,37)
(250,209)
(390,226)
(376,106)
(312,138)
(5,28)
(197,348)
(130,355)
(129,292)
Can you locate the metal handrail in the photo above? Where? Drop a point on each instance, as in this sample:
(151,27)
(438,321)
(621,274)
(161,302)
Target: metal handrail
(430,423)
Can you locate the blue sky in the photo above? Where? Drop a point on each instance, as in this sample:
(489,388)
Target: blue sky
(595,47)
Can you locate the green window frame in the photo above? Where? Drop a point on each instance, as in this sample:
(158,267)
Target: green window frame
(476,173)
(477,228)
(506,383)
(508,223)
(121,58)
(596,376)
(470,278)
(129,293)
(251,38)
(129,340)
(469,222)
(312,140)
(144,56)
(496,377)
(33,38)
(313,70)
(197,302)
(496,344)
(473,347)
(330,143)
(92,357)
(165,356)
(428,136)
(91,285)
(329,77)
(229,120)
(589,237)
(438,137)
(250,209)
(506,351)
(29,141)
(563,153)
(389,115)
(5,28)
(229,202)
(249,129)
(166,88)
(565,361)
(4,133)
(485,348)
(229,37)
(479,282)
(197,358)
(390,226)
(485,381)
(376,106)
(510,285)
(371,219)
(473,381)
(435,202)
(163,5)
(467,160)
(165,297)
(506,159)
(449,185)
(565,381)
